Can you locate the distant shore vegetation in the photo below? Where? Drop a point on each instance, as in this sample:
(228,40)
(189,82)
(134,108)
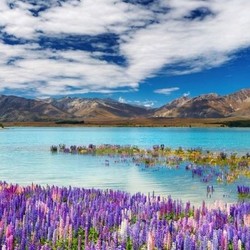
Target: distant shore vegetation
(238,123)
(69,122)
(136,122)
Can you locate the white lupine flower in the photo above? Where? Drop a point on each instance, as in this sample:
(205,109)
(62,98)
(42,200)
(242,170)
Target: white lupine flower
(239,245)
(173,246)
(209,245)
(124,227)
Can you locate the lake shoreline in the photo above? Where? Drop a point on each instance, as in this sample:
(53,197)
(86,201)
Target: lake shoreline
(137,122)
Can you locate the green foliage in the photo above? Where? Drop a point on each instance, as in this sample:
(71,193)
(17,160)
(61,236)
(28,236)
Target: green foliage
(93,235)
(230,219)
(238,123)
(223,156)
(129,244)
(191,213)
(1,125)
(133,219)
(167,149)
(244,196)
(173,216)
(230,246)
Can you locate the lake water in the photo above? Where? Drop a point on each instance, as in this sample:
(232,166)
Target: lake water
(25,157)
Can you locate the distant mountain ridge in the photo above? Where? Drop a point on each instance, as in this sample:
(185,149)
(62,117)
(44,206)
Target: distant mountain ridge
(94,108)
(208,106)
(18,109)
(13,108)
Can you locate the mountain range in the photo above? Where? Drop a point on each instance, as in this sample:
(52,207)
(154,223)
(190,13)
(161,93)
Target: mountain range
(208,106)
(18,109)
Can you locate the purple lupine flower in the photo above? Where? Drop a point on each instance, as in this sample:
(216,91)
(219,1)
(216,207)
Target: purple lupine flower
(215,242)
(53,213)
(187,243)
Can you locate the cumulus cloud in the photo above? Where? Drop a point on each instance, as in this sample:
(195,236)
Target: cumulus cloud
(145,103)
(166,91)
(66,47)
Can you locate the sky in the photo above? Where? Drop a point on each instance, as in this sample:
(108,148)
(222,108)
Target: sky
(144,52)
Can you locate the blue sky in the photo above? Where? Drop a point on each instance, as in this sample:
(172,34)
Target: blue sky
(145,52)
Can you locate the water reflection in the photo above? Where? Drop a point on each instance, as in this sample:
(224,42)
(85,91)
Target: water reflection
(89,171)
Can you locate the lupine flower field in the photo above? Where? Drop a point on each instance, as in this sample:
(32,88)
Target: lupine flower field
(36,217)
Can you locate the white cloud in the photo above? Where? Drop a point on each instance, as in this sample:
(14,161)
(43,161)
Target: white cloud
(18,21)
(149,39)
(145,103)
(186,94)
(166,91)
(93,17)
(195,44)
(121,100)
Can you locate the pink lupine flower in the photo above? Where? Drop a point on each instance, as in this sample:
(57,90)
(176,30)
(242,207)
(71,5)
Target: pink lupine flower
(169,241)
(151,241)
(247,220)
(10,242)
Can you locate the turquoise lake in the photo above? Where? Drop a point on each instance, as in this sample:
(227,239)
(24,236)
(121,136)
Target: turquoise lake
(25,157)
